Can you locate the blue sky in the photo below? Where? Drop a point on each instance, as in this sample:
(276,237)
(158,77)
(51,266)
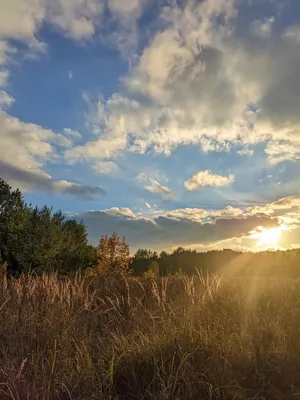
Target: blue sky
(170,122)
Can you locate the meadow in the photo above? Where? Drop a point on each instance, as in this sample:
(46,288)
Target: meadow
(184,337)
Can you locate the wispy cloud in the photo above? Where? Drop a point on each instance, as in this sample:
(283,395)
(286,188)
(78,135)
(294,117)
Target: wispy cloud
(156,185)
(106,167)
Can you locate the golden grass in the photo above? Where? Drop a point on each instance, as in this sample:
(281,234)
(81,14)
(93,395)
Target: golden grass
(146,339)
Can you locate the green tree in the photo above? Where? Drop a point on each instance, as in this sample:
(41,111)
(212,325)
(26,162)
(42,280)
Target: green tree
(153,270)
(142,260)
(13,217)
(38,239)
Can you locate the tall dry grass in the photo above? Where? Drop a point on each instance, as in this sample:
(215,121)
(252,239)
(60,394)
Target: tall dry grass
(171,338)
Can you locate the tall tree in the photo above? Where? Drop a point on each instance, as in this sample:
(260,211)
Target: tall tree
(13,217)
(38,239)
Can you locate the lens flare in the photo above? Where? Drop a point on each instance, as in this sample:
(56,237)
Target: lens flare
(268,238)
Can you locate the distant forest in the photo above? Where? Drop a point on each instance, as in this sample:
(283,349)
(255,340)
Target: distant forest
(38,239)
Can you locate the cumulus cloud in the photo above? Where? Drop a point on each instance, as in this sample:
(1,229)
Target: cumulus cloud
(237,92)
(207,178)
(20,19)
(28,180)
(120,211)
(164,232)
(193,214)
(77,19)
(26,145)
(27,148)
(229,227)
(283,150)
(195,82)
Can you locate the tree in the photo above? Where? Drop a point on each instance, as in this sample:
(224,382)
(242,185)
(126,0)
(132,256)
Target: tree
(113,255)
(142,260)
(13,216)
(153,270)
(38,239)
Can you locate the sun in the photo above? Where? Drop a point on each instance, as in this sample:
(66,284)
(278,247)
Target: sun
(267,238)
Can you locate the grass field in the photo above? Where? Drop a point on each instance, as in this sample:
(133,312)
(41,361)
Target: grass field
(172,338)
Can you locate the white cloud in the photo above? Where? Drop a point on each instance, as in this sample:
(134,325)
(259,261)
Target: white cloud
(77,19)
(26,145)
(283,150)
(3,78)
(120,211)
(196,227)
(262,29)
(70,75)
(75,189)
(125,35)
(106,167)
(220,77)
(195,52)
(124,6)
(293,33)
(156,187)
(193,214)
(27,149)
(5,51)
(245,152)
(37,180)
(166,231)
(20,19)
(5,100)
(152,185)
(207,178)
(72,132)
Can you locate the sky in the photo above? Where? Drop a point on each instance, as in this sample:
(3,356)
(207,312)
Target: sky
(174,123)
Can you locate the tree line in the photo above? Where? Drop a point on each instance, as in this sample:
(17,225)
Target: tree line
(38,239)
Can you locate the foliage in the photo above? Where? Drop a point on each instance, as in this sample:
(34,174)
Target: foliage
(38,239)
(13,217)
(142,260)
(153,270)
(113,255)
(227,263)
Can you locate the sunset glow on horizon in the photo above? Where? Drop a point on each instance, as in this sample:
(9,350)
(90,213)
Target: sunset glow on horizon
(268,238)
